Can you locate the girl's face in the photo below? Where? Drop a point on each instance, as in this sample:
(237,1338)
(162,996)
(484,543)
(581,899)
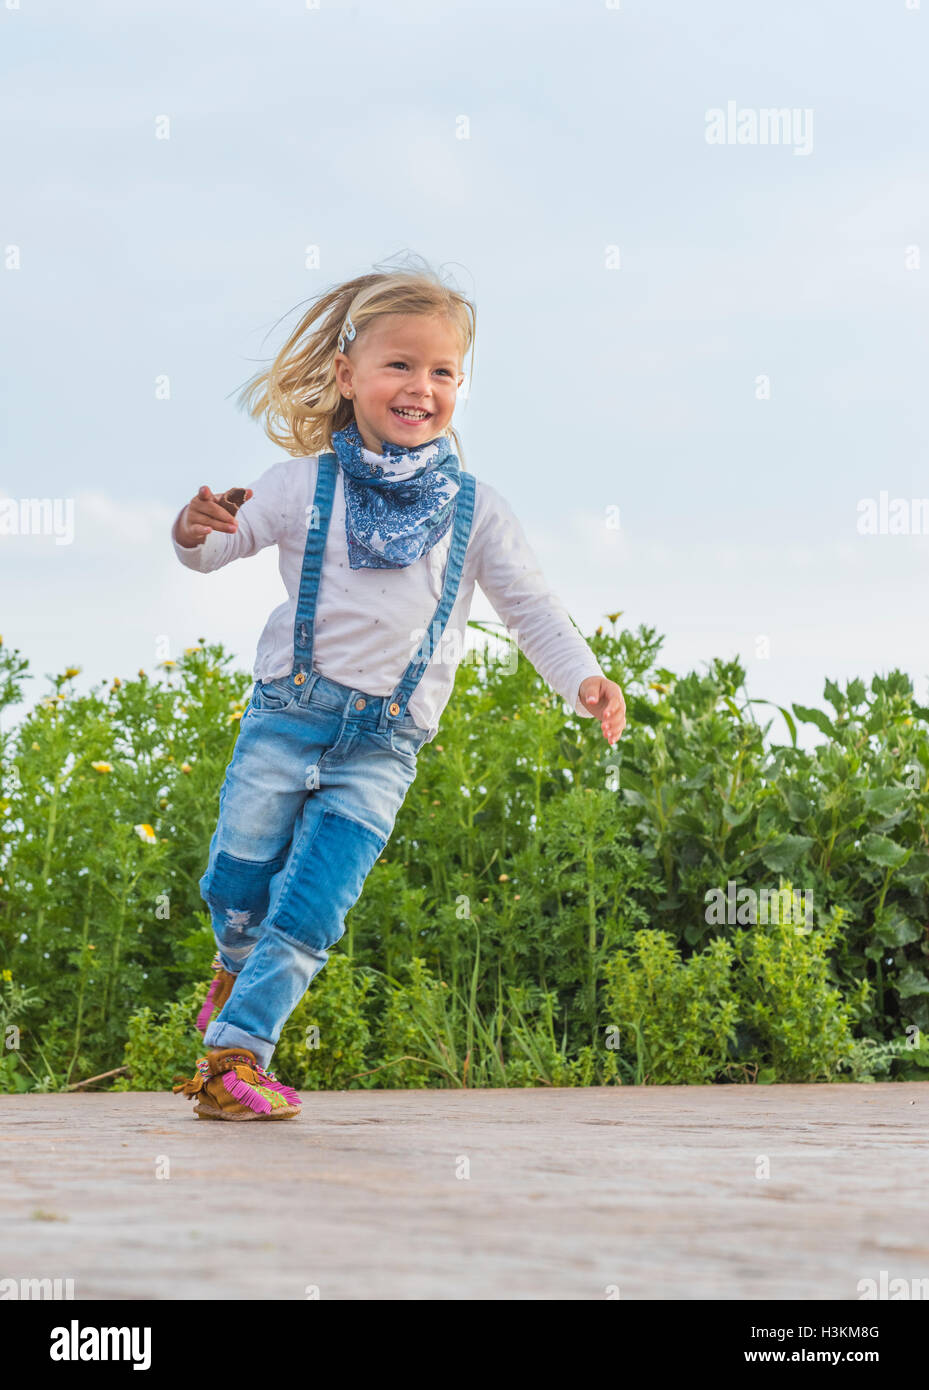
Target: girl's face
(402,376)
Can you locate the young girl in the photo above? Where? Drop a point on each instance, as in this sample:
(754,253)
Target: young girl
(381,539)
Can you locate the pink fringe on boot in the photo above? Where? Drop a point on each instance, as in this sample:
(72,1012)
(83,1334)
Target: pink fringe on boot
(203,1017)
(246,1094)
(288,1092)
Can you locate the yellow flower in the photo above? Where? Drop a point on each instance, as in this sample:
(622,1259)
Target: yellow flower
(166,665)
(146,833)
(7,975)
(613,616)
(185,767)
(141,672)
(101,767)
(35,748)
(516,897)
(116,682)
(188,651)
(657,685)
(503,878)
(72,671)
(439,748)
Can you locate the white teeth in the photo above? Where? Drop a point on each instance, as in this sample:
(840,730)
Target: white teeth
(412,414)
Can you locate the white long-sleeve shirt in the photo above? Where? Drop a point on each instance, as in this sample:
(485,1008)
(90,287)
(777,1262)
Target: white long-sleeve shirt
(369,622)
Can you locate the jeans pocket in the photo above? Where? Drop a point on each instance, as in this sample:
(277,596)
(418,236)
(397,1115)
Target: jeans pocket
(408,740)
(275,695)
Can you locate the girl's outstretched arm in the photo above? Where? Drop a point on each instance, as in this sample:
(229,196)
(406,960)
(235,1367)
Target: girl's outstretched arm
(208,533)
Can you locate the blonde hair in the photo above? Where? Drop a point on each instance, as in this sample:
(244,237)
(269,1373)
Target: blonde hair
(298,394)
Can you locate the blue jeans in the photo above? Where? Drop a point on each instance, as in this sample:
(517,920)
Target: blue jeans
(307,806)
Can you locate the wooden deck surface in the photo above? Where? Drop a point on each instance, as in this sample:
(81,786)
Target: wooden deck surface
(653,1192)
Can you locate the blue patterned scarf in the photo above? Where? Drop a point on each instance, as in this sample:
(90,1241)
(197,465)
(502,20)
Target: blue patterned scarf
(398,503)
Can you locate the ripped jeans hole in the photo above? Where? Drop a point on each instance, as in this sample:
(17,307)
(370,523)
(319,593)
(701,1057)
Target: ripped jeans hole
(237,919)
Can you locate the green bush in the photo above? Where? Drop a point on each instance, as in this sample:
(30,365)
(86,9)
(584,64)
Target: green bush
(541,914)
(324,1043)
(160,1047)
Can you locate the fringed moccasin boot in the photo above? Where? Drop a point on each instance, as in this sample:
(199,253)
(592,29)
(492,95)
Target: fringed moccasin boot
(230,1085)
(216,996)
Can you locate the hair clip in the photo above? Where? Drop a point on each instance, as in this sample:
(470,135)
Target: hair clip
(348,331)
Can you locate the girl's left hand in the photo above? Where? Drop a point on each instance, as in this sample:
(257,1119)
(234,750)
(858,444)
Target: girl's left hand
(605,699)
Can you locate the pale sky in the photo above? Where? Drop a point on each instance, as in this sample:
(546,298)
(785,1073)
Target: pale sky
(726,341)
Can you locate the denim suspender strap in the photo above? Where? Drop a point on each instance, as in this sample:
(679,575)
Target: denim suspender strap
(317,530)
(395,708)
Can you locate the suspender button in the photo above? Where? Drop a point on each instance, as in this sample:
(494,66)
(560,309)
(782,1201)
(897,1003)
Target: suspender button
(360,704)
(299,679)
(394,708)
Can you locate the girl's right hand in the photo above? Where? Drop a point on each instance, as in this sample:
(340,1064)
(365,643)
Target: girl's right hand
(210,511)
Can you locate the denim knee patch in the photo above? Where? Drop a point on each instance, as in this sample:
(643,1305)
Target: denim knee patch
(238,888)
(327,880)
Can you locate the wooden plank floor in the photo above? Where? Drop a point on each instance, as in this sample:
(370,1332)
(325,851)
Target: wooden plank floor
(570,1194)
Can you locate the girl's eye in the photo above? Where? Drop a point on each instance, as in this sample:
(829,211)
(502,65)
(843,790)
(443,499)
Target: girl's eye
(403,364)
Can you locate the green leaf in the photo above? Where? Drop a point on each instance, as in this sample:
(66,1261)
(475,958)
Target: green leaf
(806,715)
(640,711)
(784,852)
(878,849)
(892,927)
(885,800)
(917,869)
(732,817)
(699,779)
(855,691)
(834,695)
(630,780)
(766,1076)
(911,981)
(798,807)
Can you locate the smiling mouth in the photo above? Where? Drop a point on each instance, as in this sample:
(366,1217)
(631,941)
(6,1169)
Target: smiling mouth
(411,414)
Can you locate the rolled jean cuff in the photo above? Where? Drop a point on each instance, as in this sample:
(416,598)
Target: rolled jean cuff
(227,1035)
